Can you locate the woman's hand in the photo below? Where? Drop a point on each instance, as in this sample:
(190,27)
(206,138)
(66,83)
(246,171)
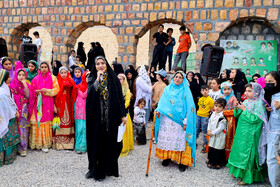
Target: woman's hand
(278,160)
(209,133)
(44,91)
(37,92)
(157,113)
(54,109)
(185,127)
(276,104)
(241,106)
(99,73)
(124,119)
(24,82)
(269,109)
(17,114)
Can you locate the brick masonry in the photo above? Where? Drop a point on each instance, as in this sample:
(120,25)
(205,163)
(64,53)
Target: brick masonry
(65,20)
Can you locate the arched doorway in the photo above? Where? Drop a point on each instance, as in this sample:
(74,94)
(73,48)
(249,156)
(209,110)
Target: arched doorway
(145,49)
(104,36)
(91,31)
(251,29)
(47,44)
(3,48)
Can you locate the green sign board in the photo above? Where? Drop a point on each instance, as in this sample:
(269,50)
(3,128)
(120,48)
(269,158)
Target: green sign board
(252,56)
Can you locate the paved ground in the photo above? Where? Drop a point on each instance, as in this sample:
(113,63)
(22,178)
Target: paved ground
(66,168)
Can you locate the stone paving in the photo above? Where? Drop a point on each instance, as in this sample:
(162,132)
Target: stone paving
(66,168)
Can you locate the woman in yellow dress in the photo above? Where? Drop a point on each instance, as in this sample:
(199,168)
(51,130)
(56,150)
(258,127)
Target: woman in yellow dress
(128,143)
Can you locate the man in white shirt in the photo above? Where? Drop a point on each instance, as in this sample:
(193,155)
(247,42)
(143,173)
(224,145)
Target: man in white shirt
(38,42)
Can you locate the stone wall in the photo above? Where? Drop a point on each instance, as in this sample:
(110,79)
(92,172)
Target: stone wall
(65,20)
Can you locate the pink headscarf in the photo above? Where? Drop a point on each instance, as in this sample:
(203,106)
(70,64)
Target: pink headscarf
(261,81)
(17,88)
(18,65)
(39,82)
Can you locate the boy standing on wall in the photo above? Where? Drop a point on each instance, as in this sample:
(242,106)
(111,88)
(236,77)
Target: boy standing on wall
(183,49)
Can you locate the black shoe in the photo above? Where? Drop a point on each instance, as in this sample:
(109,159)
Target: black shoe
(182,167)
(89,175)
(166,162)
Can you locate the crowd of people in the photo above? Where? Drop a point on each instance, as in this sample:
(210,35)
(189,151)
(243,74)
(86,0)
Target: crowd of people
(81,108)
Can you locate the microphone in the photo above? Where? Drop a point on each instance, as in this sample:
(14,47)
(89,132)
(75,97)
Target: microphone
(101,77)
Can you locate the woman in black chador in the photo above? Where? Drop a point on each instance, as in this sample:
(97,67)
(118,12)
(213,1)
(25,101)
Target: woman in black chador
(105,111)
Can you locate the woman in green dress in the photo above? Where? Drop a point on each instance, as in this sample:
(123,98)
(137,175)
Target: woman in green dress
(244,160)
(9,137)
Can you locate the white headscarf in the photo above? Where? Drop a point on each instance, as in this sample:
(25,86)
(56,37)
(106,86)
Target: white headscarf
(144,75)
(8,109)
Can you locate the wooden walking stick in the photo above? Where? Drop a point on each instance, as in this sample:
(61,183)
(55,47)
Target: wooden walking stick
(151,144)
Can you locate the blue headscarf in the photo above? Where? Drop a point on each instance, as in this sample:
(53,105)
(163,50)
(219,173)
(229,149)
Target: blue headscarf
(177,103)
(226,84)
(78,80)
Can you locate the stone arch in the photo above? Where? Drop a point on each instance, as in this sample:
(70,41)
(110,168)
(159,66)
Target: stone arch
(13,41)
(251,28)
(171,22)
(74,35)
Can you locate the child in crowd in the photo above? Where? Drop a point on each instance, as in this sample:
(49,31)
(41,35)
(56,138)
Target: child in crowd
(78,71)
(7,64)
(139,117)
(127,142)
(228,95)
(245,157)
(20,89)
(217,128)
(79,63)
(205,104)
(215,90)
(277,153)
(153,75)
(80,115)
(32,70)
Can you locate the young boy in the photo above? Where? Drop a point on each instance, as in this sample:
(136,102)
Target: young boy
(169,49)
(277,153)
(205,105)
(217,128)
(183,49)
(162,40)
(38,42)
(26,39)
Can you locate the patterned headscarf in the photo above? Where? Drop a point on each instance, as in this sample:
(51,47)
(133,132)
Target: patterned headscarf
(144,75)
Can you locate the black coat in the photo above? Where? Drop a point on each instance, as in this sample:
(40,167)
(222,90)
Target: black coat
(91,58)
(81,53)
(102,145)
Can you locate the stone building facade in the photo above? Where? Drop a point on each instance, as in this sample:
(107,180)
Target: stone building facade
(129,20)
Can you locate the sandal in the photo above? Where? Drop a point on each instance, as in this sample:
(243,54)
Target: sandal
(210,166)
(216,167)
(241,182)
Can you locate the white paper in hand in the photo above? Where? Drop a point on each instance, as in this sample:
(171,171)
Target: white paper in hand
(121,131)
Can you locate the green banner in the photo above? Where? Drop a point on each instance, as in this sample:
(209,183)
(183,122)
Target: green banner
(250,56)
